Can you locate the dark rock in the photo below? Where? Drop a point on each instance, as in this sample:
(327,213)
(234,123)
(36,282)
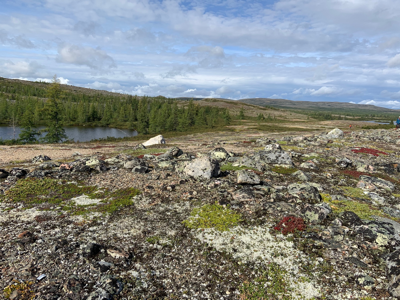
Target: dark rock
(365,281)
(315,214)
(140,169)
(246,177)
(40,158)
(3,173)
(91,249)
(357,262)
(17,172)
(350,219)
(219,154)
(378,182)
(107,288)
(344,163)
(305,192)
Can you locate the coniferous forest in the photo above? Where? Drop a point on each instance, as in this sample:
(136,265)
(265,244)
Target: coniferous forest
(53,105)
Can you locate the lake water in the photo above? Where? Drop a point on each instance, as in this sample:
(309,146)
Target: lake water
(81,134)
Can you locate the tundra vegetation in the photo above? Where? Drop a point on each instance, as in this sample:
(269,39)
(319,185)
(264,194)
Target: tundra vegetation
(225,214)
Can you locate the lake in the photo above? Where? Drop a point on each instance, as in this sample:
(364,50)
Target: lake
(81,134)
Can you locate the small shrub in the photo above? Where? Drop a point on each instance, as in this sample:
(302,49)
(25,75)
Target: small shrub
(290,224)
(213,216)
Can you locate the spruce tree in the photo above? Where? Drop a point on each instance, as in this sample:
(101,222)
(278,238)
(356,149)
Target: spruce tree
(53,109)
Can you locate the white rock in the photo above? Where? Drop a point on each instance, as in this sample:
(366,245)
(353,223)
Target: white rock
(159,139)
(335,134)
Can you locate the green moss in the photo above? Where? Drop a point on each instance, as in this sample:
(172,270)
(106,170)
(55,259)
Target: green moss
(229,167)
(36,191)
(33,191)
(282,142)
(363,210)
(213,216)
(283,170)
(351,192)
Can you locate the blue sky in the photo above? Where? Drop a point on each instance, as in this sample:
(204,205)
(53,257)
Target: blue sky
(314,50)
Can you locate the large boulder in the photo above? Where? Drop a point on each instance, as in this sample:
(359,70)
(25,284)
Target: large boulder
(202,168)
(40,158)
(335,134)
(159,139)
(316,214)
(3,173)
(274,154)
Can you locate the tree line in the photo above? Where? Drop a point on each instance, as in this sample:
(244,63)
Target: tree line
(30,106)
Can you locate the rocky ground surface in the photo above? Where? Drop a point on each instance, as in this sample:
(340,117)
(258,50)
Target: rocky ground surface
(289,217)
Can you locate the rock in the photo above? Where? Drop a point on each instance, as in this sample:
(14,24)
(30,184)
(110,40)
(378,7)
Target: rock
(159,139)
(104,266)
(392,212)
(3,173)
(376,232)
(107,288)
(365,280)
(350,219)
(301,175)
(377,199)
(249,162)
(344,163)
(170,154)
(90,250)
(40,158)
(219,154)
(140,169)
(93,161)
(273,154)
(335,134)
(132,163)
(18,172)
(47,165)
(246,177)
(315,214)
(202,168)
(309,165)
(113,161)
(393,273)
(387,185)
(305,192)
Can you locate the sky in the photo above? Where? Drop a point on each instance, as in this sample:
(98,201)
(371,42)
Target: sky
(312,50)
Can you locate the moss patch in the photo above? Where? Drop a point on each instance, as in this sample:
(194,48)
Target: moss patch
(23,289)
(213,216)
(229,167)
(33,191)
(283,170)
(363,210)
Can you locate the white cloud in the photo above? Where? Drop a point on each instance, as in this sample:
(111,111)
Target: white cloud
(104,86)
(20,69)
(393,104)
(20,41)
(394,61)
(96,59)
(61,80)
(189,91)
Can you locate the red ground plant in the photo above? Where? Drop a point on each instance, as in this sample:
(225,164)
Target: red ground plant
(290,224)
(373,152)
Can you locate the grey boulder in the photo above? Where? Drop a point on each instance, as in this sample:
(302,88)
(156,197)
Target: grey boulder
(246,177)
(202,168)
(305,192)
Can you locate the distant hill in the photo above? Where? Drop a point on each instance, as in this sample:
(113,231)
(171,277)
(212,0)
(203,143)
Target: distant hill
(331,107)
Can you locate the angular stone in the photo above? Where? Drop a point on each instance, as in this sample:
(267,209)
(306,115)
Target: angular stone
(305,192)
(315,214)
(202,168)
(335,134)
(301,175)
(246,177)
(3,173)
(393,273)
(344,163)
(219,154)
(159,139)
(378,182)
(350,219)
(309,165)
